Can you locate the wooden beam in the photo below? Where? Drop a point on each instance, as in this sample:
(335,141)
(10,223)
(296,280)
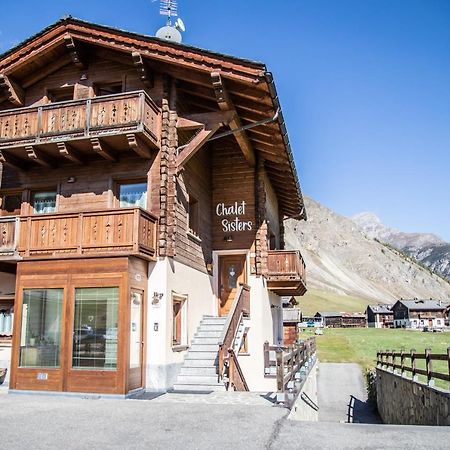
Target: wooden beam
(68,152)
(212,118)
(11,161)
(225,104)
(185,124)
(138,146)
(74,51)
(103,149)
(11,90)
(39,157)
(196,144)
(143,72)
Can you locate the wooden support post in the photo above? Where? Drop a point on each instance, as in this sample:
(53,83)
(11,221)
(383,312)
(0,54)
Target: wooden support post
(39,157)
(280,370)
(413,365)
(266,358)
(103,149)
(138,146)
(144,73)
(225,104)
(429,366)
(68,152)
(448,362)
(11,90)
(402,362)
(75,53)
(393,361)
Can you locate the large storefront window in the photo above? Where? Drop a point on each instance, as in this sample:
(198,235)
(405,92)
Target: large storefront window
(40,337)
(95,328)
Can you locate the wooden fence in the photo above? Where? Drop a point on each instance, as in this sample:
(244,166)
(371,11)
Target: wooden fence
(407,363)
(289,363)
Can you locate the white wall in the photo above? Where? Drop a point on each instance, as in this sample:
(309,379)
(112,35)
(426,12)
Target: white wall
(167,276)
(265,324)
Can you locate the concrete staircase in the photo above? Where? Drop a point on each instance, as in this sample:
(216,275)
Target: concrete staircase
(199,371)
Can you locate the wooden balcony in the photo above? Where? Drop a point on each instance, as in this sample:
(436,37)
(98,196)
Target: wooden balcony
(9,234)
(98,126)
(286,272)
(121,232)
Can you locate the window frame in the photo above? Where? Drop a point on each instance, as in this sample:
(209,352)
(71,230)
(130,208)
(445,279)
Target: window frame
(31,194)
(193,222)
(182,344)
(117,183)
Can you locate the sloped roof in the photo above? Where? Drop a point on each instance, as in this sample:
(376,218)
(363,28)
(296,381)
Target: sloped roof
(328,314)
(380,309)
(250,84)
(424,305)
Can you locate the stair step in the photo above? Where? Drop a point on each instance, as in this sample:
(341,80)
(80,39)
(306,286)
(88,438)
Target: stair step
(213,321)
(197,379)
(210,327)
(212,356)
(207,333)
(199,371)
(205,363)
(205,341)
(198,388)
(204,348)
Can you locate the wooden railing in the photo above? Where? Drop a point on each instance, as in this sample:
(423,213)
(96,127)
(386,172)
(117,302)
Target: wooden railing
(287,363)
(126,231)
(80,118)
(9,234)
(286,272)
(227,357)
(406,362)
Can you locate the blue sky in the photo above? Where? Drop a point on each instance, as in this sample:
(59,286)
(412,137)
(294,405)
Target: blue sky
(364,85)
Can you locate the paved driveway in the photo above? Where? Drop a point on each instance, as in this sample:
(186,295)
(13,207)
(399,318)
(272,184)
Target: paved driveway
(42,422)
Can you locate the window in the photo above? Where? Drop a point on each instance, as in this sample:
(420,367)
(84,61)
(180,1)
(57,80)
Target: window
(179,332)
(193,215)
(43,202)
(133,194)
(11,204)
(95,328)
(40,338)
(108,88)
(61,94)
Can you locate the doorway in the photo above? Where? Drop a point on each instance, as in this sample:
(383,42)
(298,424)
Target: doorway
(135,380)
(232,272)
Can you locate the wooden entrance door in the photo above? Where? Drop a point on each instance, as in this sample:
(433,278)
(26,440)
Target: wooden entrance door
(136,340)
(232,272)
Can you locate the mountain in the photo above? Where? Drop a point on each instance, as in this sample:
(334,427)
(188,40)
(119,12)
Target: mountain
(345,260)
(426,248)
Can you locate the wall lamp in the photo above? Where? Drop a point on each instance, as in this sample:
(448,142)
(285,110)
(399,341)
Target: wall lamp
(228,238)
(71,179)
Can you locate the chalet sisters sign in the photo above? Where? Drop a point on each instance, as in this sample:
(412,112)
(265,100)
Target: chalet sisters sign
(233,217)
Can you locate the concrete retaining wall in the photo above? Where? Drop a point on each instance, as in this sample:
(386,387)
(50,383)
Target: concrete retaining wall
(305,407)
(405,402)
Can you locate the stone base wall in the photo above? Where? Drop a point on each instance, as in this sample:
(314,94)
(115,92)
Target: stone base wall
(405,402)
(305,407)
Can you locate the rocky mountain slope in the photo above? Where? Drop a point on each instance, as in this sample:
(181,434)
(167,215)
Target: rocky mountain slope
(427,248)
(343,259)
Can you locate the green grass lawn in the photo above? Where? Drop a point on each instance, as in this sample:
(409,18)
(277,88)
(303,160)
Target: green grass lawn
(317,300)
(360,345)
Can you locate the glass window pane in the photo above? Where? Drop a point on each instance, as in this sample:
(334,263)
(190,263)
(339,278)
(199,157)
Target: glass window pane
(95,328)
(133,194)
(40,337)
(44,202)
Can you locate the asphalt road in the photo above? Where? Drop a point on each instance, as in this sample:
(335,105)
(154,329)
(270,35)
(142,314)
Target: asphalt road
(42,422)
(342,394)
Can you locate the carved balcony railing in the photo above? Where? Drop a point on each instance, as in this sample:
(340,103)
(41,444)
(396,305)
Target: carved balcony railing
(127,231)
(78,121)
(286,272)
(9,234)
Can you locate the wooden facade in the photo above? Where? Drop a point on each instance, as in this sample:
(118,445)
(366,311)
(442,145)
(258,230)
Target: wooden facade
(87,112)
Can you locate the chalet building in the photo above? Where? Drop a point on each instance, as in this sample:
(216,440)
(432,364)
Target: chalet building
(292,317)
(419,314)
(353,320)
(144,188)
(379,316)
(331,319)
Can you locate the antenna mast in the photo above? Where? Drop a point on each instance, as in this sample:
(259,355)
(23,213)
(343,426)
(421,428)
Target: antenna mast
(170,32)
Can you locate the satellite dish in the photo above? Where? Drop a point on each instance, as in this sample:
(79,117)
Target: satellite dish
(179,24)
(169,33)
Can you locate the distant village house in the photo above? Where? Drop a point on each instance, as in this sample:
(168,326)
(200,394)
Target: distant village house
(379,316)
(419,314)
